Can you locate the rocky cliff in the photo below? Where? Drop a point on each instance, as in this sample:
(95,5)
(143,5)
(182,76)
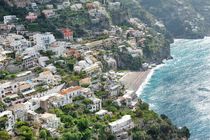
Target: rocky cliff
(182,18)
(163,20)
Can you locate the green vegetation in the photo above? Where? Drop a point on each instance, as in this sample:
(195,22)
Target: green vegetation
(47,53)
(75,20)
(38,70)
(65,67)
(4,135)
(2,106)
(40,89)
(127,61)
(44,134)
(188,24)
(42,25)
(80,124)
(23,130)
(5,75)
(3,121)
(101,94)
(78,21)
(6,10)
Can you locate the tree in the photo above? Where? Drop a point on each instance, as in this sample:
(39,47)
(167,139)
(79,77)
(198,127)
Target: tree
(67,120)
(4,135)
(72,136)
(7,100)
(139,113)
(139,135)
(153,131)
(69,108)
(38,70)
(144,106)
(86,135)
(87,101)
(18,124)
(184,132)
(164,117)
(111,137)
(43,134)
(25,132)
(82,124)
(3,121)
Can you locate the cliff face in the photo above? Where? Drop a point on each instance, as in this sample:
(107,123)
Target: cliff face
(157,40)
(203,8)
(182,18)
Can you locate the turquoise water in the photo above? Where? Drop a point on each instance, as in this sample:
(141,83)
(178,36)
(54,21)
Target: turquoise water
(181,88)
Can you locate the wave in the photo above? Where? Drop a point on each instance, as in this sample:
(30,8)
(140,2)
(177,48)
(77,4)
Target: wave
(146,81)
(181,88)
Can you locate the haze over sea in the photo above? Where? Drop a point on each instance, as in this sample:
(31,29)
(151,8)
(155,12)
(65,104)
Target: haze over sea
(181,88)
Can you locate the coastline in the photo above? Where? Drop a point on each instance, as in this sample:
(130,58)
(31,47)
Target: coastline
(137,81)
(132,80)
(145,81)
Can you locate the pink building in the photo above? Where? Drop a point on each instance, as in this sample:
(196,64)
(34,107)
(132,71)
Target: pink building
(31,17)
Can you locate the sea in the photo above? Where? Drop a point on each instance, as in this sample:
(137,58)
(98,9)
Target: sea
(180,88)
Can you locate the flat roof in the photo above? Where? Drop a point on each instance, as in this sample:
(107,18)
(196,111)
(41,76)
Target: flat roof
(119,121)
(24,73)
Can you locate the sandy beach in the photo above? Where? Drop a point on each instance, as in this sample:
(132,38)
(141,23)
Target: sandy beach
(138,80)
(133,80)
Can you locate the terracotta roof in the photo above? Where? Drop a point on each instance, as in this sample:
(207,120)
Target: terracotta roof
(67,32)
(46,73)
(24,86)
(71,89)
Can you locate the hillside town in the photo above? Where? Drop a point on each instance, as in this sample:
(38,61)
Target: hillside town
(42,74)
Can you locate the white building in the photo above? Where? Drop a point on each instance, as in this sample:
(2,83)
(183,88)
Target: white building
(24,76)
(93,70)
(49,13)
(25,88)
(76,7)
(50,121)
(19,111)
(10,120)
(42,60)
(3,55)
(30,58)
(123,124)
(51,68)
(101,113)
(130,98)
(59,48)
(8,88)
(32,104)
(66,3)
(20,45)
(10,19)
(96,104)
(66,96)
(43,41)
(48,78)
(29,61)
(115,90)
